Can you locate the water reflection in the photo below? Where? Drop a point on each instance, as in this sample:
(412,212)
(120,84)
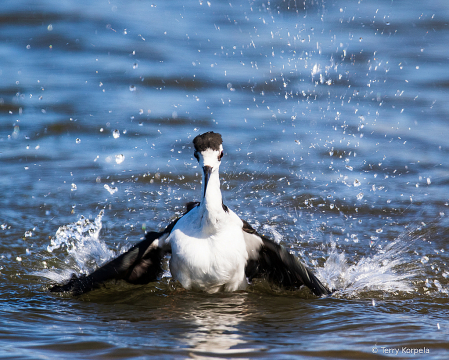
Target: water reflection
(217,321)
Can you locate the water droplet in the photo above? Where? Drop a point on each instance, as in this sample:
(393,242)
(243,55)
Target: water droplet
(16,131)
(111,190)
(78,140)
(119,158)
(135,65)
(116,134)
(50,27)
(3,226)
(429,181)
(132,88)
(28,234)
(379,231)
(331,206)
(18,258)
(73,187)
(357,182)
(359,196)
(424,259)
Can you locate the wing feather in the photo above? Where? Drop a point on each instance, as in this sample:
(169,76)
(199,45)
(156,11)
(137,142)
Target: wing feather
(273,262)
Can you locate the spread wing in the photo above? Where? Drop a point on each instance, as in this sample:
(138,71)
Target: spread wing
(273,262)
(139,265)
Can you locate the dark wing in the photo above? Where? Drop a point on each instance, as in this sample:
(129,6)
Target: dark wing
(139,265)
(273,262)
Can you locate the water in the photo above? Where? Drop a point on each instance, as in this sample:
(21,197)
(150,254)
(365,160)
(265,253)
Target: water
(334,119)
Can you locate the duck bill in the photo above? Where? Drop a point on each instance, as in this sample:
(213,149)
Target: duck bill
(207,171)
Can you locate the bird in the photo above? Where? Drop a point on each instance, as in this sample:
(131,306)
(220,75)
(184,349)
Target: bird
(212,249)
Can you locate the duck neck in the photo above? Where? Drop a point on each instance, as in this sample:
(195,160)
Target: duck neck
(212,202)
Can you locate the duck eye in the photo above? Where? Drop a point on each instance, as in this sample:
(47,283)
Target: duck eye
(196,156)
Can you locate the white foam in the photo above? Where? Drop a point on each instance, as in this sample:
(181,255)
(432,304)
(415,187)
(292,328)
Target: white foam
(56,275)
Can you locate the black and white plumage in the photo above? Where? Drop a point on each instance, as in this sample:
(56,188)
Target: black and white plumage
(211,248)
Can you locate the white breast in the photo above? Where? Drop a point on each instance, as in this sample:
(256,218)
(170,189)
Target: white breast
(208,258)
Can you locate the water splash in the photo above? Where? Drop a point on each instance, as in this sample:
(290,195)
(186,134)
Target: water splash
(276,235)
(389,271)
(84,248)
(119,158)
(111,189)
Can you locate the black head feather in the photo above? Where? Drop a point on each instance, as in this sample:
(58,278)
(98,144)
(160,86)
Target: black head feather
(209,140)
